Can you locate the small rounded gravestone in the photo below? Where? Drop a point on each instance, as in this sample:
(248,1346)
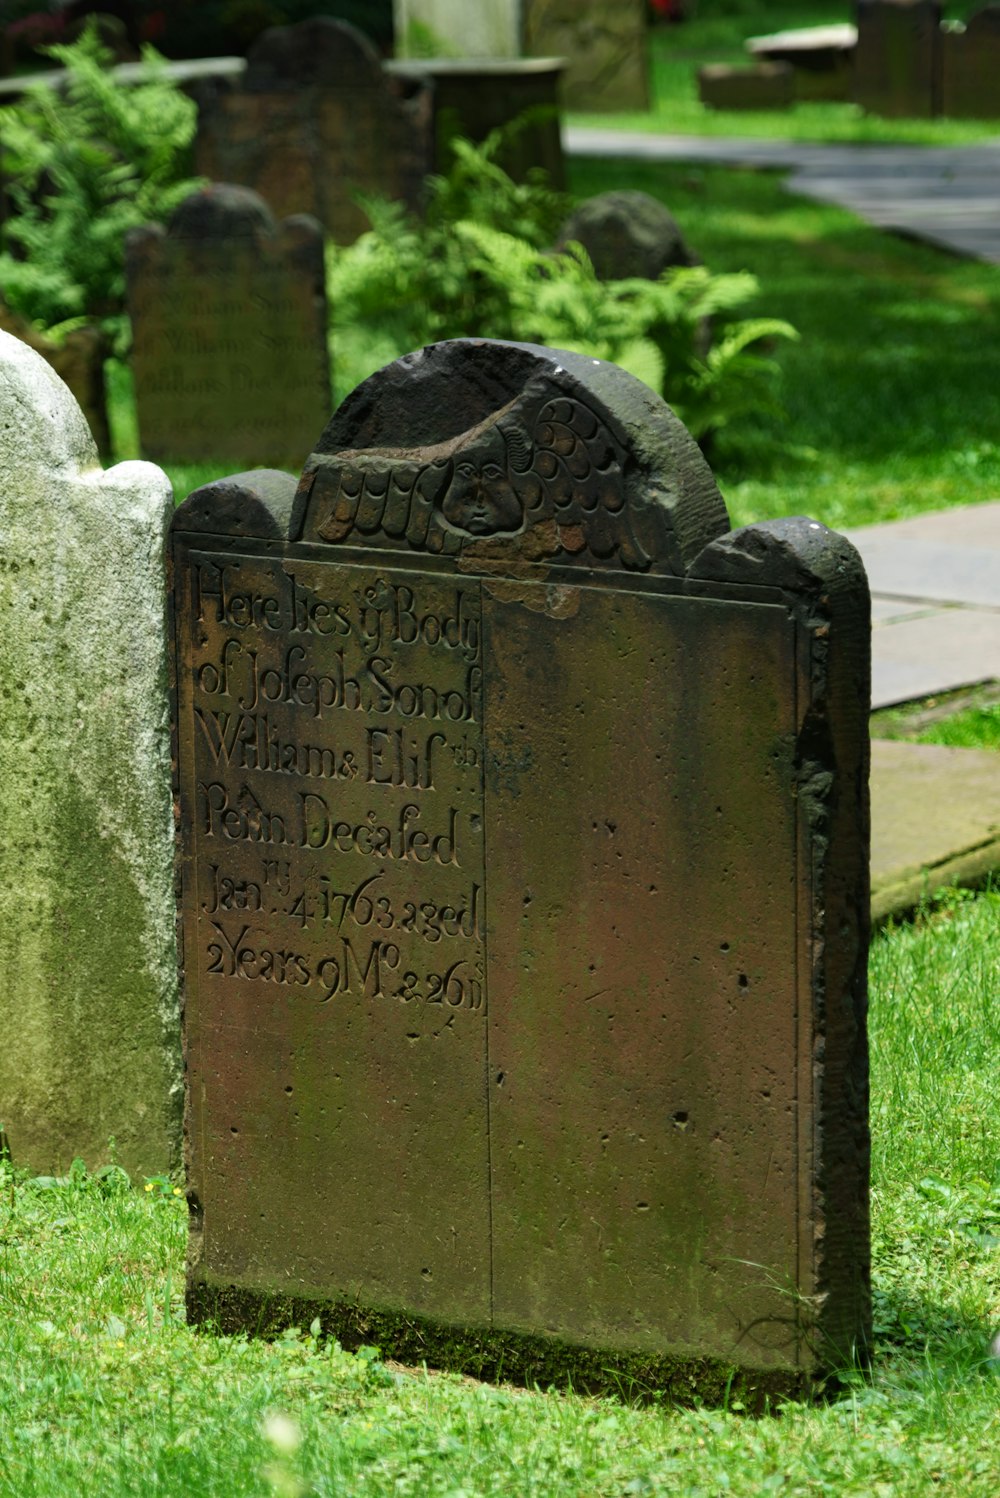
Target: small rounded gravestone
(626,234)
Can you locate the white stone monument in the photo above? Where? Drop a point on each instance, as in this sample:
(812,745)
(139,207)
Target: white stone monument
(454,28)
(88,975)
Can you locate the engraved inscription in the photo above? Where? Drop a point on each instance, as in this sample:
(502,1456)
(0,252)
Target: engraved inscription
(338,814)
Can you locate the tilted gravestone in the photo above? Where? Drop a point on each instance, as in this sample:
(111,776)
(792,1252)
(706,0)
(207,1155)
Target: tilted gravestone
(88,976)
(79,361)
(897,61)
(314,121)
(229,331)
(605,44)
(524,891)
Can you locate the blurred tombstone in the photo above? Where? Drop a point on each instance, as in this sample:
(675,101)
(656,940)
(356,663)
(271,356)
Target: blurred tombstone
(626,233)
(454,28)
(605,44)
(315,120)
(523,885)
(88,958)
(897,64)
(970,67)
(765,85)
(229,329)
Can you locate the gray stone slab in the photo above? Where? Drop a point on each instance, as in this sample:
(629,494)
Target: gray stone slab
(885,610)
(955,838)
(931,653)
(952,556)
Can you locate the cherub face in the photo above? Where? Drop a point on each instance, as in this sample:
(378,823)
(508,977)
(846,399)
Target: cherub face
(480,498)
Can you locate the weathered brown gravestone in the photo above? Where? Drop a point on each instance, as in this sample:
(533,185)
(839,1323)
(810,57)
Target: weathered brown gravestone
(605,44)
(229,331)
(970,67)
(524,872)
(314,121)
(897,62)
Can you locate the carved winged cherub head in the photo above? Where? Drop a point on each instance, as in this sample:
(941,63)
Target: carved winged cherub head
(485,497)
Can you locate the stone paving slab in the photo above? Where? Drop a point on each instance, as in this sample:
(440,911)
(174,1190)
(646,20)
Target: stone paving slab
(935,583)
(933,653)
(935,821)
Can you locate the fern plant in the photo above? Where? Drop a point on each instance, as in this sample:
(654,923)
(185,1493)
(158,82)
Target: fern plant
(82,167)
(477,266)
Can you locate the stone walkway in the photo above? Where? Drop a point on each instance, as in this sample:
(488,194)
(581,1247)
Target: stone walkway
(935,583)
(947,195)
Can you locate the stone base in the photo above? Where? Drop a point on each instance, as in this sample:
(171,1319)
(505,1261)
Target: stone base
(495,1355)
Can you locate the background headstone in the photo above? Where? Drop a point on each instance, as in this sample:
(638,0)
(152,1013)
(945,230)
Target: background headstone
(897,62)
(626,233)
(970,67)
(88,981)
(524,901)
(315,120)
(765,85)
(79,361)
(229,331)
(454,28)
(474,97)
(605,44)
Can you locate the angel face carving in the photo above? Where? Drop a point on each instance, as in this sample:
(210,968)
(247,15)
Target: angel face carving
(481,498)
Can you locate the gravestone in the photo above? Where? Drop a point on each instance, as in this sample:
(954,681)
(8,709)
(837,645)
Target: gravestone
(91,1032)
(314,121)
(970,67)
(524,892)
(453,28)
(626,233)
(79,361)
(229,329)
(765,85)
(897,62)
(605,44)
(476,96)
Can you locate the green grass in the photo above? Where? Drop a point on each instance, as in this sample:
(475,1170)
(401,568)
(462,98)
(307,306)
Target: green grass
(962,720)
(104,1390)
(888,395)
(718,34)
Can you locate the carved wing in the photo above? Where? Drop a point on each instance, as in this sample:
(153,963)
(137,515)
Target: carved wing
(374,494)
(576,474)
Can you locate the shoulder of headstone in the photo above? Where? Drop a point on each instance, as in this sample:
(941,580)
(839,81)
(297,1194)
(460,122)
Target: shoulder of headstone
(794,553)
(257,503)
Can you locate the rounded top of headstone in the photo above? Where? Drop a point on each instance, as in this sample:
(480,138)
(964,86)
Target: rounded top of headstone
(506,455)
(626,233)
(41,423)
(320,51)
(221,211)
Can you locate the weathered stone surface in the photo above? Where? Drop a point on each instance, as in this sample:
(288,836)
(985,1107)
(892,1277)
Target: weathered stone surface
(230,331)
(453,28)
(970,67)
(524,891)
(315,120)
(79,362)
(766,85)
(605,43)
(956,837)
(91,1043)
(626,233)
(897,64)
